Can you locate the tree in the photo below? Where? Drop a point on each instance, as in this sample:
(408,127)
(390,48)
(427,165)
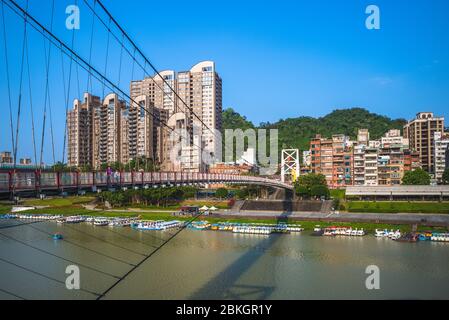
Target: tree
(222,193)
(242,193)
(297,132)
(85,168)
(302,191)
(416,177)
(312,184)
(60,167)
(319,191)
(446,176)
(312,179)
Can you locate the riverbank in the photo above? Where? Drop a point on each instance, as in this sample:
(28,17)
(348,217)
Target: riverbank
(368,220)
(308,223)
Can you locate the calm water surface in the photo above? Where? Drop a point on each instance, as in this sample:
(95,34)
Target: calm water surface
(215,265)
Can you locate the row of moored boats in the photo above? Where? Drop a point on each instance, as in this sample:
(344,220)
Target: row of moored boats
(246,228)
(239,228)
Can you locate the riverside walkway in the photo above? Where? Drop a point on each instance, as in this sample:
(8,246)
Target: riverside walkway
(388,218)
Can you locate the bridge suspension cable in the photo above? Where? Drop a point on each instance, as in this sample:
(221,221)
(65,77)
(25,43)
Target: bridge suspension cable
(57,256)
(149,256)
(47,66)
(149,63)
(44,275)
(86,248)
(19,107)
(33,132)
(68,94)
(12,294)
(48,34)
(8,81)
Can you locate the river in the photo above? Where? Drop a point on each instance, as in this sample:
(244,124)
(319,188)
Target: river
(214,265)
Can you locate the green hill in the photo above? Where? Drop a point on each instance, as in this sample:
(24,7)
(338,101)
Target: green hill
(233,120)
(297,132)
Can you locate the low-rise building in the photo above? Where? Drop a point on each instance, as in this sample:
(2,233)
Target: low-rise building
(231,168)
(440,157)
(322,157)
(363,162)
(342,161)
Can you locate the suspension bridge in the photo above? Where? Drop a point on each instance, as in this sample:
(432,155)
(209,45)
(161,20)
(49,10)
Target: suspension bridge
(39,182)
(37,129)
(44,70)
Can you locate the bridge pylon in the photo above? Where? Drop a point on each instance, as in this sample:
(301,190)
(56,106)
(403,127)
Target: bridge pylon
(290,169)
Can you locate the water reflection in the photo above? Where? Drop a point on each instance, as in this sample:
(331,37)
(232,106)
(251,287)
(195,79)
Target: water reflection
(219,265)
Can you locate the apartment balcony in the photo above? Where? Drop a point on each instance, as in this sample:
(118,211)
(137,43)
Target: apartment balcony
(371,174)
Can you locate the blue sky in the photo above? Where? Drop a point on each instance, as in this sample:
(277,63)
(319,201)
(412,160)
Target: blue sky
(277,59)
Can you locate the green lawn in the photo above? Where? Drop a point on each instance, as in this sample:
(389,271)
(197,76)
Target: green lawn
(177,206)
(5,209)
(59,202)
(397,207)
(338,193)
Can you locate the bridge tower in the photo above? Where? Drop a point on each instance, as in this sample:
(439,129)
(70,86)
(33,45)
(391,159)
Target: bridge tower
(290,165)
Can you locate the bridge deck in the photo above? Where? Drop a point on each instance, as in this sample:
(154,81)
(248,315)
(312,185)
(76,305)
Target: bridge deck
(20,181)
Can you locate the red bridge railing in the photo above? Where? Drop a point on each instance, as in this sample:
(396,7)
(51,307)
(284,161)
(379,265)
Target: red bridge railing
(28,180)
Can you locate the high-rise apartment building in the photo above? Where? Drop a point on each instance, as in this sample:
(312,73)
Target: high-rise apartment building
(179,152)
(80,131)
(199,91)
(441,147)
(112,123)
(160,90)
(421,134)
(109,131)
(143,123)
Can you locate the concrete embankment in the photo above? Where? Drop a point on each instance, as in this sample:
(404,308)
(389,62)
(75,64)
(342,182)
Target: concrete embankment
(436,220)
(322,211)
(284,206)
